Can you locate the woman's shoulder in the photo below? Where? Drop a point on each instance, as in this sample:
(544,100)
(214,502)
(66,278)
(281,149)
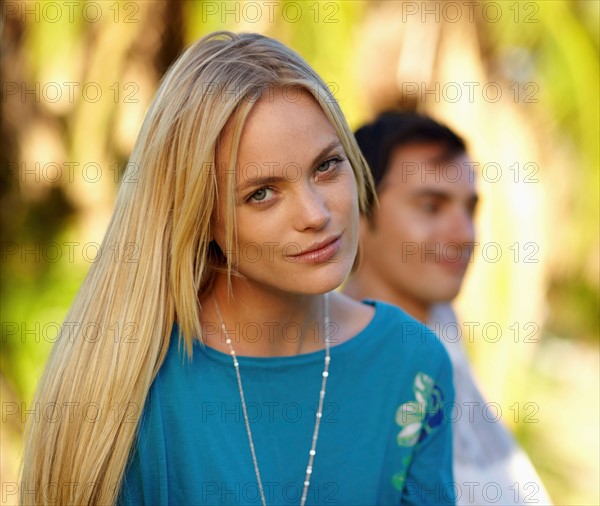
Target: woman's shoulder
(395,335)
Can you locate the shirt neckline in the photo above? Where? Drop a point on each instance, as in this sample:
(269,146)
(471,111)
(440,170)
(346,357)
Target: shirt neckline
(336,350)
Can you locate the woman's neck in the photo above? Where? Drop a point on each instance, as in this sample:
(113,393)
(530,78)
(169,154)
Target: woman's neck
(260,321)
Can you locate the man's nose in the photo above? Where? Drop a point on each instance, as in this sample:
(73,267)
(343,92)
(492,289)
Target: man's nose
(461,228)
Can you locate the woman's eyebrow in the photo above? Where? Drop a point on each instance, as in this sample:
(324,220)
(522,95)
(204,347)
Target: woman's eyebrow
(260,181)
(334,143)
(271,178)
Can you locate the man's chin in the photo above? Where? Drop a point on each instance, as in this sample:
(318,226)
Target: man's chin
(443,295)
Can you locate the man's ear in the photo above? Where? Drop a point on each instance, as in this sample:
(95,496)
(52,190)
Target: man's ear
(358,259)
(364,227)
(367,223)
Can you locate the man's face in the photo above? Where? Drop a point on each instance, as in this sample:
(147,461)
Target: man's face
(421,240)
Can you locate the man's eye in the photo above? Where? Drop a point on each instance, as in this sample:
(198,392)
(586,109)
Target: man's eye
(430,207)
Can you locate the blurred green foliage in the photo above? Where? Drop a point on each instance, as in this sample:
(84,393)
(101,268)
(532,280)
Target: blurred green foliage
(559,52)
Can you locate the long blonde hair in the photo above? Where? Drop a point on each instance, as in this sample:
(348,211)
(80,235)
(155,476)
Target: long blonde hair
(116,334)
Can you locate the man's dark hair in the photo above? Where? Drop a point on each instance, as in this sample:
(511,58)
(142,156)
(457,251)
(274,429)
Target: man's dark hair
(393,129)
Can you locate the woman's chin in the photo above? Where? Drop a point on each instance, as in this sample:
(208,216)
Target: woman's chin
(324,282)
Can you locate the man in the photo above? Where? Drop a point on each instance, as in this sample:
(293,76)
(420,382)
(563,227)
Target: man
(416,248)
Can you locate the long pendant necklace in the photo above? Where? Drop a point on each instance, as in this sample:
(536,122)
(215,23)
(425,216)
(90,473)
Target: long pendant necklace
(319,414)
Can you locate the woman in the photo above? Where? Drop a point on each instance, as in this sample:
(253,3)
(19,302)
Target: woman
(243,378)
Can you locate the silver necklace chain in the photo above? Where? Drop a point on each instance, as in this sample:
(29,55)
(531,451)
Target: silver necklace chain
(318,416)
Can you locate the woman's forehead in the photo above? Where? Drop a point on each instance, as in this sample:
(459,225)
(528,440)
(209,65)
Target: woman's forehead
(281,127)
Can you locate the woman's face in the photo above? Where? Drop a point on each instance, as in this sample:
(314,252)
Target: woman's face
(295,200)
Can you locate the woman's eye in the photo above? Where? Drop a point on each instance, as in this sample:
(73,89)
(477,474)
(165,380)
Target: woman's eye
(329,164)
(260,195)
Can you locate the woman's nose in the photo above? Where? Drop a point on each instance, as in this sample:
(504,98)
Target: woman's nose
(311,210)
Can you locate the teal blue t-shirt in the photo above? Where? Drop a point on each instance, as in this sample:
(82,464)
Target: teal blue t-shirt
(385,434)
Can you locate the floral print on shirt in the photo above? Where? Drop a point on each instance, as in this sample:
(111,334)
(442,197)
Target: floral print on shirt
(417,419)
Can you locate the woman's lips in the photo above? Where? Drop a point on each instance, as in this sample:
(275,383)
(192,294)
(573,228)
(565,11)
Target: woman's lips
(320,253)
